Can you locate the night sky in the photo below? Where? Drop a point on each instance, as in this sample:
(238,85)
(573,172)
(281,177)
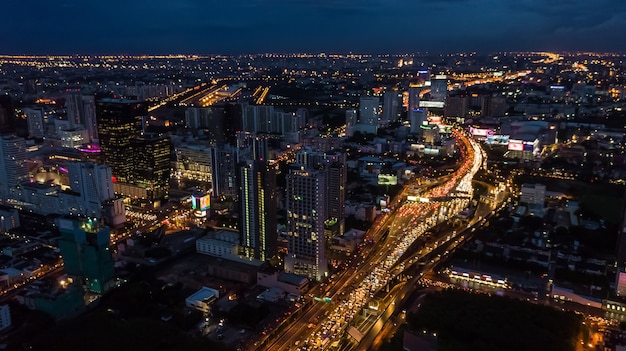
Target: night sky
(341,26)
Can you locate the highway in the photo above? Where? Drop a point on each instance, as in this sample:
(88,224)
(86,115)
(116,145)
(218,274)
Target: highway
(322,325)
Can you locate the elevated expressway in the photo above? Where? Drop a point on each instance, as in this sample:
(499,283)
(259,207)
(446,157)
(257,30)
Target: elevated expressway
(319,325)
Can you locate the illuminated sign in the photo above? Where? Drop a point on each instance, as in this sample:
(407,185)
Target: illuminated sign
(497,139)
(201,203)
(431,151)
(433,104)
(387,179)
(516,145)
(481,132)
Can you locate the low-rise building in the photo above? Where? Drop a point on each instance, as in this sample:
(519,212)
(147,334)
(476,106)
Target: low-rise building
(288,282)
(202,299)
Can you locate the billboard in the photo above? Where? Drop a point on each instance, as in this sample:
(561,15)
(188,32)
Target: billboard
(201,202)
(387,179)
(434,119)
(516,145)
(476,131)
(433,104)
(497,139)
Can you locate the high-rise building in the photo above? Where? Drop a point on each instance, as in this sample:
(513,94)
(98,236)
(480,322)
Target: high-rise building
(119,121)
(620,259)
(439,88)
(414,98)
(302,114)
(415,115)
(333,165)
(351,117)
(417,119)
(258,210)
(493,106)
(306,215)
(7,115)
(193,161)
(84,244)
(212,120)
(457,106)
(34,120)
(351,121)
(89,114)
(150,154)
(12,163)
(392,100)
(92,181)
(368,112)
(260,119)
(224,161)
(74,109)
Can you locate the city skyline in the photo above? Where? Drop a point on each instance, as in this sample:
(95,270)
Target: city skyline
(371,26)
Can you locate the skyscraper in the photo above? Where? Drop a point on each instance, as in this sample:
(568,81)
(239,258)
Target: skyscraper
(333,165)
(224,178)
(392,101)
(93,182)
(414,98)
(84,245)
(439,88)
(74,109)
(150,155)
(306,214)
(258,210)
(91,122)
(34,120)
(368,112)
(7,115)
(620,259)
(417,119)
(12,166)
(118,122)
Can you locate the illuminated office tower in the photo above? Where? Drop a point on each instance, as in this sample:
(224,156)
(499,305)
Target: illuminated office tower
(333,165)
(368,113)
(119,121)
(84,245)
(439,88)
(306,214)
(150,154)
(34,120)
(392,101)
(258,210)
(7,115)
(12,163)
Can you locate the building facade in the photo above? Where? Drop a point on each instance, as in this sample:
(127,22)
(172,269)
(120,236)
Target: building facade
(306,215)
(258,210)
